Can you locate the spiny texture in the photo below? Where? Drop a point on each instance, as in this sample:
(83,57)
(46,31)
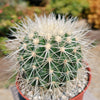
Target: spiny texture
(50,53)
(51,61)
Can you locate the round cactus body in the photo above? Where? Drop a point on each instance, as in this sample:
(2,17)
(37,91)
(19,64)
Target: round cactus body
(50,61)
(50,55)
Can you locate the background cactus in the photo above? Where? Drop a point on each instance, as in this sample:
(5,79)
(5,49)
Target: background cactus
(50,57)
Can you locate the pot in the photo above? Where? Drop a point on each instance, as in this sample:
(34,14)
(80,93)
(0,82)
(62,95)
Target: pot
(78,97)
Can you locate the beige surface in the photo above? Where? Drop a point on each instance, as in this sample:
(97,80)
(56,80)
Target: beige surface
(95,84)
(5,94)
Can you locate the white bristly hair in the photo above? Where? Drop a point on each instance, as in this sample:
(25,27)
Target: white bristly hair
(47,27)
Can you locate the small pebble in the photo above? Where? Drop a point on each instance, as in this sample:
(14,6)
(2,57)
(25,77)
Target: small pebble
(63,97)
(79,90)
(35,98)
(79,85)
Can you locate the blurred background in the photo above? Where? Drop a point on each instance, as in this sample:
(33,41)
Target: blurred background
(11,11)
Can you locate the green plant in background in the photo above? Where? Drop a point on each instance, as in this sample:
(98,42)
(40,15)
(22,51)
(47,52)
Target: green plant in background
(8,16)
(3,49)
(10,2)
(48,9)
(50,57)
(37,11)
(70,7)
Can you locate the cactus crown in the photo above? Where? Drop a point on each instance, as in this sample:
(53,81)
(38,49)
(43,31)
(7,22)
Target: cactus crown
(50,52)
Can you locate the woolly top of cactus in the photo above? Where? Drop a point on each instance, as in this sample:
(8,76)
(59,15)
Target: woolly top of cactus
(50,51)
(49,26)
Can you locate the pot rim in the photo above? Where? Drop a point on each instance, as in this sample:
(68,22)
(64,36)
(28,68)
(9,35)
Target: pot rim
(89,81)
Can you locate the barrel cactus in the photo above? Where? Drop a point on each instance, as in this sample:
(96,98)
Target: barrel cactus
(50,54)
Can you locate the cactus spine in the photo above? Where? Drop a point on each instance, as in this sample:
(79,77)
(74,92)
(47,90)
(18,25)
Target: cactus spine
(50,55)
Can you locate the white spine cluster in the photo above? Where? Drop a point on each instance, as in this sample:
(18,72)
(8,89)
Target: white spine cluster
(51,28)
